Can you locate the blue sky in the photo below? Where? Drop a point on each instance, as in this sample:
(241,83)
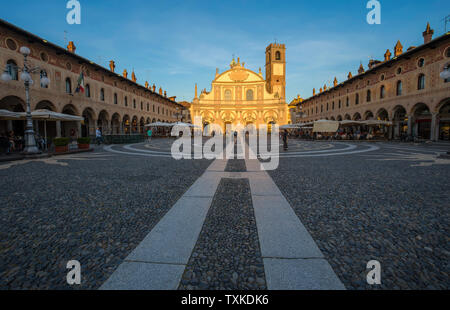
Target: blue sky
(177,43)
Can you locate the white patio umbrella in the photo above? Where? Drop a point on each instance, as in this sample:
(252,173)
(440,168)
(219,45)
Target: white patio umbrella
(185,125)
(376,122)
(350,122)
(290,126)
(158,124)
(8,115)
(47,115)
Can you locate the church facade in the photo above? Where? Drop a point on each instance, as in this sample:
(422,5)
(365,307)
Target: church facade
(240,97)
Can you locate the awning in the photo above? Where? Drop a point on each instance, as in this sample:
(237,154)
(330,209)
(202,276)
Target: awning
(48,115)
(325,126)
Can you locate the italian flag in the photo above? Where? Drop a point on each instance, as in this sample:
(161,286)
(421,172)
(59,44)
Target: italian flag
(80,86)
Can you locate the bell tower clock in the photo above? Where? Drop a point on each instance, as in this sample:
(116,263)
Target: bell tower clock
(276,69)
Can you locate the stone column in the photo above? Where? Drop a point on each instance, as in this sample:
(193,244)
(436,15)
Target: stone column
(9,125)
(410,125)
(36,126)
(58,129)
(79,132)
(433,136)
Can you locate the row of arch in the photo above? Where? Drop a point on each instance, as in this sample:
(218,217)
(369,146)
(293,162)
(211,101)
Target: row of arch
(370,95)
(109,124)
(421,121)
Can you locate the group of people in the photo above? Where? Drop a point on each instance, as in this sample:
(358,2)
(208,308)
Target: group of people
(340,134)
(10,143)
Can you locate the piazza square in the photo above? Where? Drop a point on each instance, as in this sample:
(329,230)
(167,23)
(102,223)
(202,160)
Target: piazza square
(116,177)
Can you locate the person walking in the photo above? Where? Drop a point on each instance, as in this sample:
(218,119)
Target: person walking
(149,135)
(285,140)
(98,136)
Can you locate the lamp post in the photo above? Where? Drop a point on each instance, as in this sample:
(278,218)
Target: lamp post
(30,142)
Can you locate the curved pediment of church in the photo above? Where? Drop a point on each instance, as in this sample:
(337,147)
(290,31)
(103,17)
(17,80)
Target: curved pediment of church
(239,75)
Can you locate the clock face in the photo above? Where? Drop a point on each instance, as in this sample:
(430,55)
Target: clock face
(278,69)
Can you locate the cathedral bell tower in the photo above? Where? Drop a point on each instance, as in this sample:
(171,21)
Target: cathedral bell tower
(276,69)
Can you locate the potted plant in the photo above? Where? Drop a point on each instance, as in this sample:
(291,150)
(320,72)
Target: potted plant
(61,144)
(84,143)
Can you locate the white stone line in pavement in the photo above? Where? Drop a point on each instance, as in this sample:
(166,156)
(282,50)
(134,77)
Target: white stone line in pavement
(158,262)
(109,148)
(292,260)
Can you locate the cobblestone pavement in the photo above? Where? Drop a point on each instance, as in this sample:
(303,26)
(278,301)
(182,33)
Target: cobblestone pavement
(227,254)
(390,205)
(94,208)
(359,201)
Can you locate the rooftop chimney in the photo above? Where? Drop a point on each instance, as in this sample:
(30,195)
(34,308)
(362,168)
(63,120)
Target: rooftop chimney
(428,34)
(71,47)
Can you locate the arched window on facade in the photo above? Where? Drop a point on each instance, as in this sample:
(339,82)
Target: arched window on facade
(277,55)
(347,103)
(68,86)
(421,82)
(369,96)
(126,101)
(102,94)
(115,98)
(43,74)
(399,88)
(382,92)
(134,103)
(356,99)
(12,69)
(88,91)
(228,95)
(249,95)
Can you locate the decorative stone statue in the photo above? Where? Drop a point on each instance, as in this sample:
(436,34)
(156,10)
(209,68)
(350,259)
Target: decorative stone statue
(112,65)
(125,73)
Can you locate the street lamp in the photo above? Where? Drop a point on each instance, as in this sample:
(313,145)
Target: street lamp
(25,75)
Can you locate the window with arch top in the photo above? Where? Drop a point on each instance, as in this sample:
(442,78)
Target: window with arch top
(12,69)
(249,95)
(228,95)
(68,86)
(277,55)
(43,74)
(399,88)
(421,82)
(382,92)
